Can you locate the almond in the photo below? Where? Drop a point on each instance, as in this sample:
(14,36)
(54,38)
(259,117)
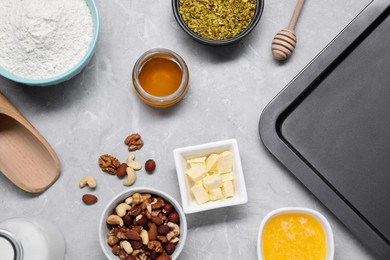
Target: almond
(121,171)
(133,235)
(152,232)
(89,199)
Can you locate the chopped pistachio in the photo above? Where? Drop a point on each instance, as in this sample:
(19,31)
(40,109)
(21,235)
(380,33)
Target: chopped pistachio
(217,19)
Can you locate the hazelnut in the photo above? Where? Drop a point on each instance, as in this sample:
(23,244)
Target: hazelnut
(153,255)
(135,211)
(150,165)
(130,257)
(116,249)
(170,248)
(163,257)
(141,220)
(163,229)
(127,219)
(168,208)
(136,244)
(122,254)
(174,217)
(157,220)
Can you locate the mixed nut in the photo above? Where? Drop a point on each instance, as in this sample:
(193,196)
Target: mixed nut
(143,227)
(134,142)
(113,166)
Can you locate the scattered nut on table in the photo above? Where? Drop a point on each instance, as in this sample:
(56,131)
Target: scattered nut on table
(88,180)
(109,163)
(134,142)
(121,171)
(89,199)
(132,166)
(137,235)
(150,165)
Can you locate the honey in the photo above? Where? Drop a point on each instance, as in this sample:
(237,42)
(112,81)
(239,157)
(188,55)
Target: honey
(294,236)
(160,77)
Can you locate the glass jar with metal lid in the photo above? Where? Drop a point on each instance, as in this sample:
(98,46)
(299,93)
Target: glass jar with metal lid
(30,239)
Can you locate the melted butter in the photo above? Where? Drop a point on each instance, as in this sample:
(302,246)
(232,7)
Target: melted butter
(294,236)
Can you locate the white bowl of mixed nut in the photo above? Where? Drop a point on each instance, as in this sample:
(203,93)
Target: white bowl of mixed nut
(142,224)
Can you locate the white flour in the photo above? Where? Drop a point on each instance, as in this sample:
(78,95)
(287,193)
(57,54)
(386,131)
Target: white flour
(41,39)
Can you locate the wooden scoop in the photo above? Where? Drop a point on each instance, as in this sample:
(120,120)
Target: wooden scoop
(26,158)
(285,41)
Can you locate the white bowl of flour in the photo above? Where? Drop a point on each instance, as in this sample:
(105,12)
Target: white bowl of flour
(46,42)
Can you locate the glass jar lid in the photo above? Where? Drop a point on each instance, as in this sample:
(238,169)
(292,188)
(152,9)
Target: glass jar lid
(10,246)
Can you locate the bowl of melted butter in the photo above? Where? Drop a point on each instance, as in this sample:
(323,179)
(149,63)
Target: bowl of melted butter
(300,233)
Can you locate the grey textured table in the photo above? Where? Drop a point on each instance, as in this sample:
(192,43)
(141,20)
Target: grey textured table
(92,114)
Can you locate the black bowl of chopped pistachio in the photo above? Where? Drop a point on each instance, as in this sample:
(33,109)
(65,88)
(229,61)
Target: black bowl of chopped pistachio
(217,22)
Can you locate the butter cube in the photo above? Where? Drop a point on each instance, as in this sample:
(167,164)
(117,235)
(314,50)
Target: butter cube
(197,172)
(200,160)
(227,176)
(212,182)
(216,194)
(211,162)
(228,189)
(225,162)
(200,193)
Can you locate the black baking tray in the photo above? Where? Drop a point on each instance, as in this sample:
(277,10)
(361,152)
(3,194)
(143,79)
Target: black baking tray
(331,126)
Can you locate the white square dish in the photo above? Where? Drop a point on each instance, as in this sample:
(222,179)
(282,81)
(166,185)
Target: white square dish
(181,155)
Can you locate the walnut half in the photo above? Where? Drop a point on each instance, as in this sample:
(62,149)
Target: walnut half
(134,142)
(109,163)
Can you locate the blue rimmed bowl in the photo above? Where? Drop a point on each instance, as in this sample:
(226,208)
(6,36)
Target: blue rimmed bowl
(73,71)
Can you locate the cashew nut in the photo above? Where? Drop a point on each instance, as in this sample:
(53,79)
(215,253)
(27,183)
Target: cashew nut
(125,245)
(114,220)
(88,180)
(175,230)
(129,200)
(144,236)
(174,240)
(130,177)
(133,164)
(121,209)
(149,208)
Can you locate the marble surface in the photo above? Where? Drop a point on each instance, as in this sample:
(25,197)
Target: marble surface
(91,115)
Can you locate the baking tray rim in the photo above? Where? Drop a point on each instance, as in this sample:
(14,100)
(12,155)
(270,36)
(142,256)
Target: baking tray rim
(302,170)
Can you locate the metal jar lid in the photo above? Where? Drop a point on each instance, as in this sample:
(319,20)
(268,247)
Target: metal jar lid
(10,246)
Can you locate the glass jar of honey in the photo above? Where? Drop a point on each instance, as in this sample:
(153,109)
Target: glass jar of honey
(160,78)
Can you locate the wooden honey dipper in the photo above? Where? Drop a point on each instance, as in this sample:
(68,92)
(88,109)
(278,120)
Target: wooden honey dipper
(285,41)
